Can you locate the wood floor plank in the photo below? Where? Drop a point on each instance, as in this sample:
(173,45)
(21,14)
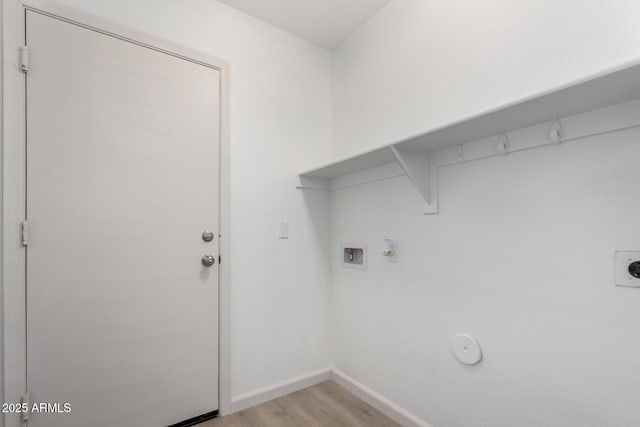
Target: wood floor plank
(324,405)
(354,409)
(321,409)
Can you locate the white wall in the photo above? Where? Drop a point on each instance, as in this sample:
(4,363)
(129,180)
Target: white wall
(521,253)
(280,119)
(521,257)
(420,63)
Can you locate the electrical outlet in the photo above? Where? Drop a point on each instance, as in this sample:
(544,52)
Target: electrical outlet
(628,268)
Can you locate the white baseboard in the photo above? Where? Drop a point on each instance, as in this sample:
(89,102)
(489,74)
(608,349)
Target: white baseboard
(256,397)
(382,404)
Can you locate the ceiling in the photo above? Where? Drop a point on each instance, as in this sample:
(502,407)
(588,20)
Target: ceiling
(326,23)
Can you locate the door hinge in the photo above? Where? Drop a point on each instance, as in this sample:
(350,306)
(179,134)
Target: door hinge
(25,401)
(24,59)
(25,232)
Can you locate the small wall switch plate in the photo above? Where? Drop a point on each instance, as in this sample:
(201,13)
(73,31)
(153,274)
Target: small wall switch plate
(628,268)
(354,256)
(284,230)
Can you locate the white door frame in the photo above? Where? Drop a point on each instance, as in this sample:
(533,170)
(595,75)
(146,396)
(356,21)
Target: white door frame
(14,189)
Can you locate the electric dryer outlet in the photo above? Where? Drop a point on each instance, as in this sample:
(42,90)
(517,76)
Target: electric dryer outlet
(628,268)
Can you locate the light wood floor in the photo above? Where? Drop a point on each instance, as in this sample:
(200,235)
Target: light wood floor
(323,405)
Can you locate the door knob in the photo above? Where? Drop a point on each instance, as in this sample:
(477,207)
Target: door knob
(208,260)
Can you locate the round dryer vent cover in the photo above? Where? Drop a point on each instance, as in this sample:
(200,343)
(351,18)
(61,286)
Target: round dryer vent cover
(466,349)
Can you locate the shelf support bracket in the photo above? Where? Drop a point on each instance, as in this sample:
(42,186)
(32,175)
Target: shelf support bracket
(422,173)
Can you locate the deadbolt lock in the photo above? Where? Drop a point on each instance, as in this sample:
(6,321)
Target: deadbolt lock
(207,235)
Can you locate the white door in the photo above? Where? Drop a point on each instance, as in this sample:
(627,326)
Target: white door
(122,180)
